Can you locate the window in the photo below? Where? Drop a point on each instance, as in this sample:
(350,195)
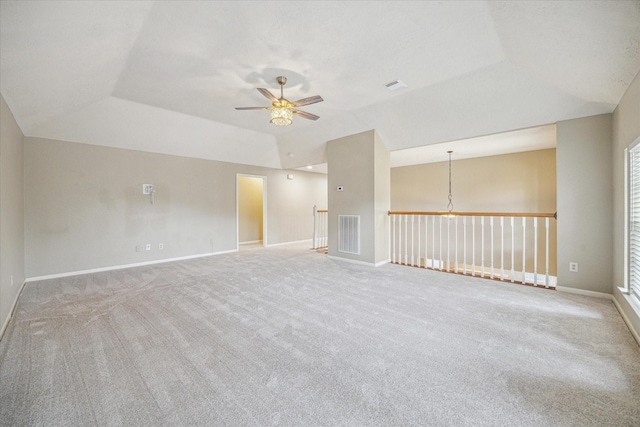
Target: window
(633,226)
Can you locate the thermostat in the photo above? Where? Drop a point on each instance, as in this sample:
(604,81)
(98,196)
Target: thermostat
(340,188)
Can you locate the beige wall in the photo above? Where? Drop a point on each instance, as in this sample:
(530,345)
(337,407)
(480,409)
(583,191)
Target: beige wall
(626,130)
(11,211)
(250,208)
(357,162)
(585,203)
(84,207)
(520,182)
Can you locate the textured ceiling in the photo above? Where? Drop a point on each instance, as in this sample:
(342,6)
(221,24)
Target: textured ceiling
(165,76)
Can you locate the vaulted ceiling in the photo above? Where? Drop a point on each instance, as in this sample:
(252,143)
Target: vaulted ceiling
(165,76)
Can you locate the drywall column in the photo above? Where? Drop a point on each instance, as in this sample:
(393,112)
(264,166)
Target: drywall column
(360,165)
(11,211)
(584,191)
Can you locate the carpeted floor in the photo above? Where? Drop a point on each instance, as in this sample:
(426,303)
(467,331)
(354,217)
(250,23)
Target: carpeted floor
(286,336)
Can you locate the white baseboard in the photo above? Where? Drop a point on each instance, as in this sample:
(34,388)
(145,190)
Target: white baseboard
(120,267)
(352,261)
(378,264)
(11,311)
(584,292)
(290,243)
(626,319)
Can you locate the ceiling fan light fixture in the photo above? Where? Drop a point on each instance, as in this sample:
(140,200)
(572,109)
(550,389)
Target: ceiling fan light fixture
(281,116)
(282,110)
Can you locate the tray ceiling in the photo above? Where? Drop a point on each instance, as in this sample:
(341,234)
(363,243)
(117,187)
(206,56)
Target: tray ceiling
(165,76)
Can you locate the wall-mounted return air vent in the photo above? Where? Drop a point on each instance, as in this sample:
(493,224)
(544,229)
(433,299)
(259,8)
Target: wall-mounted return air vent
(395,85)
(349,234)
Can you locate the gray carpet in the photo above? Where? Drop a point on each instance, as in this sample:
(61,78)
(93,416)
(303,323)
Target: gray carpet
(285,336)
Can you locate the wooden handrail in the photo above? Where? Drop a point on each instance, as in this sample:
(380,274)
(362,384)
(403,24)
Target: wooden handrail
(514,214)
(322,210)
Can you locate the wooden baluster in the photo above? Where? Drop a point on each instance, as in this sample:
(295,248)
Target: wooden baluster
(501,248)
(406,244)
(535,251)
(433,242)
(513,251)
(455,225)
(546,276)
(473,245)
(448,268)
(482,226)
(524,249)
(412,246)
(426,241)
(464,243)
(491,224)
(440,233)
(419,221)
(400,239)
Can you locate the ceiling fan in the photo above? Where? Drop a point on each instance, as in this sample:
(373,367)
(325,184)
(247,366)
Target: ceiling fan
(282,110)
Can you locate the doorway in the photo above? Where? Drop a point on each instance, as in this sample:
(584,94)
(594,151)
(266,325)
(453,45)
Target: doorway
(251,211)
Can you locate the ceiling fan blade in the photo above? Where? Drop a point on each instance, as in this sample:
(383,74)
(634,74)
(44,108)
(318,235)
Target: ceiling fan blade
(305,115)
(252,108)
(267,94)
(307,101)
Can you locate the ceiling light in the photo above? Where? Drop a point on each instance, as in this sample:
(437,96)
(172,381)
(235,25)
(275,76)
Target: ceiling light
(281,116)
(309,167)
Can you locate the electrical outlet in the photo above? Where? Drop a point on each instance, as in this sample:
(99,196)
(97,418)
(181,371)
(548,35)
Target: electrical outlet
(161,246)
(573,267)
(137,248)
(148,246)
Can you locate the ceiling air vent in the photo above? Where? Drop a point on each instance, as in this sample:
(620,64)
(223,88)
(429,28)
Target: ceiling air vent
(395,85)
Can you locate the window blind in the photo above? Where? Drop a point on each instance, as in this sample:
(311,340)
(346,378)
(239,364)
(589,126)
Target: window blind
(634,221)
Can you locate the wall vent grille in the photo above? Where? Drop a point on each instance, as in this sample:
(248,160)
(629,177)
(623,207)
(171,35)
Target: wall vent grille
(349,234)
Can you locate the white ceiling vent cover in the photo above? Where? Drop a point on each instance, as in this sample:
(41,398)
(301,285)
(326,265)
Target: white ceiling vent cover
(349,234)
(395,85)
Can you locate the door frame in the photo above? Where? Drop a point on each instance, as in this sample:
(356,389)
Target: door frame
(264,207)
